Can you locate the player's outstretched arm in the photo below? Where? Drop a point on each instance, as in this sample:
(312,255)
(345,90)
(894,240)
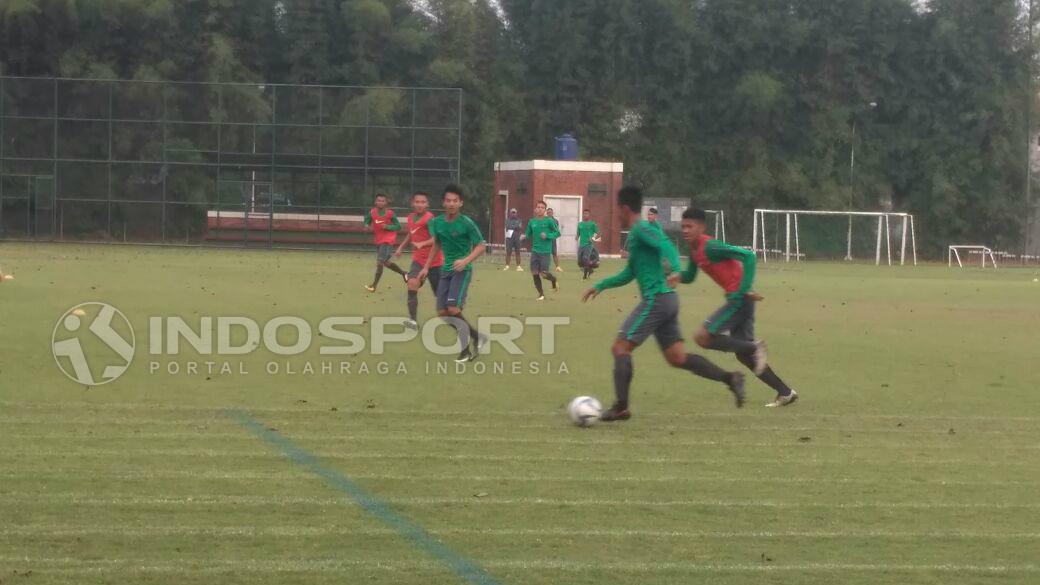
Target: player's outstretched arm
(690,274)
(429,259)
(404,243)
(620,279)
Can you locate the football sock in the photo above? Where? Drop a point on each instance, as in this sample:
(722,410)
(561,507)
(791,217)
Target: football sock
(622,379)
(551,278)
(393,266)
(464,329)
(731,344)
(768,376)
(379,274)
(538,285)
(413,303)
(704,368)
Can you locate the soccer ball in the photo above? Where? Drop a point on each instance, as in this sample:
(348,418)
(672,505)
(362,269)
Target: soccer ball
(584,410)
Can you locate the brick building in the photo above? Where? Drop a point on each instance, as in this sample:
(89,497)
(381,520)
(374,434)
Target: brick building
(569,187)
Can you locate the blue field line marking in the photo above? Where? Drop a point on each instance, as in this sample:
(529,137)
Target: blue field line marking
(463,567)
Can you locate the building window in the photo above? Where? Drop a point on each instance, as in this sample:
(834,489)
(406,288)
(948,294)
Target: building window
(597,189)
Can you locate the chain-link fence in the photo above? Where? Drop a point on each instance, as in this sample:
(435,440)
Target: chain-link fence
(215,163)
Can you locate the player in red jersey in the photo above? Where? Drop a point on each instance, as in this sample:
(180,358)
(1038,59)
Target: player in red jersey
(417,224)
(732,327)
(384,226)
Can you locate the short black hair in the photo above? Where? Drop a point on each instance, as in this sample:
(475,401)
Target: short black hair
(418,193)
(453,188)
(631,197)
(695,214)
(383,195)
(652,210)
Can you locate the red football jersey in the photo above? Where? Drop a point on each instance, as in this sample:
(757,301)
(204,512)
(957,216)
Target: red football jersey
(727,273)
(380,223)
(418,227)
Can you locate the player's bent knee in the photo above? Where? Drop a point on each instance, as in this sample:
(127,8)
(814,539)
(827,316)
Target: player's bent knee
(702,338)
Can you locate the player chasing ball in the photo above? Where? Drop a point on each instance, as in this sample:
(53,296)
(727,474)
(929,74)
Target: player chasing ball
(384,226)
(417,224)
(658,312)
(587,236)
(514,230)
(542,231)
(461,242)
(732,327)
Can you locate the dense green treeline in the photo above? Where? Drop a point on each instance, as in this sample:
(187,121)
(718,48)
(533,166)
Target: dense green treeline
(736,103)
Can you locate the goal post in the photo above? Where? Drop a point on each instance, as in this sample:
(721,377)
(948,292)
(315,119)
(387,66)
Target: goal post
(787,242)
(953,252)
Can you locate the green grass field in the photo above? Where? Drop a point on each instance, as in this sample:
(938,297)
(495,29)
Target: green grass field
(913,456)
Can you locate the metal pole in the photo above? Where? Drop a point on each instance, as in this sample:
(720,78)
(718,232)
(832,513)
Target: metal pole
(754,233)
(852,176)
(888,240)
(797,244)
(877,254)
(108,165)
(164,170)
(787,237)
(54,153)
(902,245)
(913,239)
(765,246)
(412,159)
(274,148)
(1030,101)
(2,166)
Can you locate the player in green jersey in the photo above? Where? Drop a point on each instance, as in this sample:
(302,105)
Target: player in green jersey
(657,314)
(459,238)
(542,231)
(587,236)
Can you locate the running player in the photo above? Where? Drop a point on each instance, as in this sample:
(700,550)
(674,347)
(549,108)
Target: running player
(418,234)
(514,229)
(555,255)
(588,234)
(732,327)
(657,314)
(542,232)
(384,227)
(462,243)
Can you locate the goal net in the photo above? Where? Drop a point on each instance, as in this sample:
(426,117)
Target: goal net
(794,235)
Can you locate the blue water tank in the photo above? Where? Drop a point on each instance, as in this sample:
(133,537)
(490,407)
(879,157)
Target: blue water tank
(566,147)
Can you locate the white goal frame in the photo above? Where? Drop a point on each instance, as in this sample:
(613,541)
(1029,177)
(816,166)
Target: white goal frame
(953,251)
(759,240)
(720,223)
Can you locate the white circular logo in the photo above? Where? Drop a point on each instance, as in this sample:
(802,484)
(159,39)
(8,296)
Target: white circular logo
(93,338)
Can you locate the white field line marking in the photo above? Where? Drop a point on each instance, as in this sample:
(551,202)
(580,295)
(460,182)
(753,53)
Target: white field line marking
(391,437)
(770,457)
(146,474)
(26,498)
(310,410)
(312,531)
(75,566)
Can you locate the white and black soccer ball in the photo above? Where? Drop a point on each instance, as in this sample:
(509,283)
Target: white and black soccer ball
(584,410)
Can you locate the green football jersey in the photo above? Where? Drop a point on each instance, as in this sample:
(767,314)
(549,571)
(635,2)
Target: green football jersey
(648,246)
(456,237)
(586,229)
(535,227)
